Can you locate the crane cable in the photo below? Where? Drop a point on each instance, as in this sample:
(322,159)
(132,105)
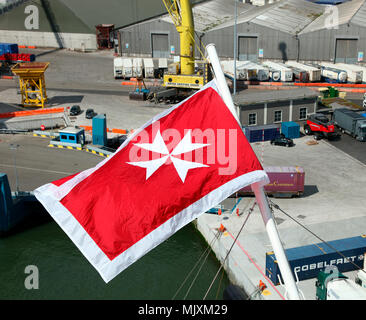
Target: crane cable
(276,206)
(237,236)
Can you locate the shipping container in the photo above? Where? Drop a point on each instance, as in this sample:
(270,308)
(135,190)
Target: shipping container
(127,68)
(262,133)
(283,182)
(352,76)
(308,261)
(137,67)
(285,71)
(313,72)
(242,73)
(300,74)
(333,75)
(149,68)
(255,71)
(8,48)
(354,67)
(290,129)
(118,67)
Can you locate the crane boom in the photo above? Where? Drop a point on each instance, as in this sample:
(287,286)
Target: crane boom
(182,16)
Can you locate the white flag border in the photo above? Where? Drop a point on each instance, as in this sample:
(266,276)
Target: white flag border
(108,269)
(50,196)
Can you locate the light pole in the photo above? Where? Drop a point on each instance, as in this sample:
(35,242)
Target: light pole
(15,148)
(235,44)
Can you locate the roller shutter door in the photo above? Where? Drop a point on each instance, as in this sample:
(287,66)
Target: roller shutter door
(160,45)
(346,50)
(247,48)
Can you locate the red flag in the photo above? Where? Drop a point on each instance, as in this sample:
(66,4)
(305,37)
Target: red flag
(178,165)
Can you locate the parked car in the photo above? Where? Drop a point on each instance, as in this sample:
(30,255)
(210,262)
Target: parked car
(75,110)
(282,141)
(90,114)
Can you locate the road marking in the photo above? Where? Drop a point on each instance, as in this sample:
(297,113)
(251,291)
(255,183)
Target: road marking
(35,169)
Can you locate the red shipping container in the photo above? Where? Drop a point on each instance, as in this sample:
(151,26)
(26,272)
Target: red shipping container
(284,181)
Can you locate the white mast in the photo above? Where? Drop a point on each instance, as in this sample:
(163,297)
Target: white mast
(257,188)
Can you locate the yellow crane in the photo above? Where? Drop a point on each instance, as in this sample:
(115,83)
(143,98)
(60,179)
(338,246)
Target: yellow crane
(182,74)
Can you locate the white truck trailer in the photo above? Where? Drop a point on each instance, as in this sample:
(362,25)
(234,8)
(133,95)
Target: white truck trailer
(353,76)
(118,67)
(285,72)
(314,73)
(148,67)
(255,71)
(355,68)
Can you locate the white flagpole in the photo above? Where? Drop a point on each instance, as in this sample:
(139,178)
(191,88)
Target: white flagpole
(257,188)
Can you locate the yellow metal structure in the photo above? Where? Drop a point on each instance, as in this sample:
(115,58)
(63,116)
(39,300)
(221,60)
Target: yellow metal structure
(32,83)
(182,16)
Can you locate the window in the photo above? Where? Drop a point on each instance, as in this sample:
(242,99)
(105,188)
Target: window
(252,119)
(278,116)
(72,138)
(303,113)
(63,137)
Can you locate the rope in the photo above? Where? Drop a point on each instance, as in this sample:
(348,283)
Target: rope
(209,246)
(218,289)
(316,236)
(217,273)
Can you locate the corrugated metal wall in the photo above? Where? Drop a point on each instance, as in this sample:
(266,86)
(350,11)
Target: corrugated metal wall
(137,39)
(321,45)
(275,44)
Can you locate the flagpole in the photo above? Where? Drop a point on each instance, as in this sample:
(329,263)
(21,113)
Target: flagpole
(221,82)
(257,188)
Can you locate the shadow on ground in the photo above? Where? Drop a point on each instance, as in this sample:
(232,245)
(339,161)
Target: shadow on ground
(65,99)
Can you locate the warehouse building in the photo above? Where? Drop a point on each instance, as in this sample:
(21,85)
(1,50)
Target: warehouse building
(159,38)
(283,30)
(340,40)
(69,23)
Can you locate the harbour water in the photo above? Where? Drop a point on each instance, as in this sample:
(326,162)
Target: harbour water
(64,273)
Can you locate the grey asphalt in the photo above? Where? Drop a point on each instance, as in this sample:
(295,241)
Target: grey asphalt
(37,164)
(351,146)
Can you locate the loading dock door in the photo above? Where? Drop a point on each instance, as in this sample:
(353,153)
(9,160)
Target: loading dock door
(346,50)
(160,45)
(247,48)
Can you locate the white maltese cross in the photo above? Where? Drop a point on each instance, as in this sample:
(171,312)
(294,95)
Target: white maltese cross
(159,146)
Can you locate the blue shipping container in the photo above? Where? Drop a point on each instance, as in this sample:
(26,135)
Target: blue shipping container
(100,130)
(8,48)
(290,129)
(308,261)
(262,133)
